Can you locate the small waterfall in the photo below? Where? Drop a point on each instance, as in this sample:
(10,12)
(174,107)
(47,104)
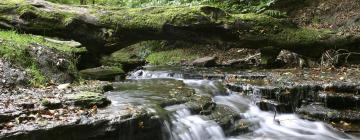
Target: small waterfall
(185,126)
(266,125)
(144,74)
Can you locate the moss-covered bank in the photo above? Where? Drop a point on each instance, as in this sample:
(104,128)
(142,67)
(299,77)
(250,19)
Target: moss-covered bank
(15,47)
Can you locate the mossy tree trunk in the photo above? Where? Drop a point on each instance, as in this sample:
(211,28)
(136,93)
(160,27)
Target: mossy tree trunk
(107,29)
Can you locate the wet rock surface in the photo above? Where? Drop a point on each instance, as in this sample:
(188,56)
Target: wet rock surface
(344,120)
(134,108)
(318,111)
(159,93)
(325,95)
(226,118)
(125,124)
(49,113)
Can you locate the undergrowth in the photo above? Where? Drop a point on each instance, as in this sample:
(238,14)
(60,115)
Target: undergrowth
(170,57)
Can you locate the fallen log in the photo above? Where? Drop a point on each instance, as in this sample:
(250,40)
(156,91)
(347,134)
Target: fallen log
(104,30)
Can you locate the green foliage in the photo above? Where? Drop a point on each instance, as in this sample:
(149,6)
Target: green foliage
(263,5)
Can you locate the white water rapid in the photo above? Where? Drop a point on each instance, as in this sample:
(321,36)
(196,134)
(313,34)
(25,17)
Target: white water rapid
(265,125)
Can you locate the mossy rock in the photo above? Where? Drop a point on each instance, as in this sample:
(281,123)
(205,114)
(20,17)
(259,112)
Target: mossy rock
(88,99)
(120,58)
(102,73)
(224,116)
(128,58)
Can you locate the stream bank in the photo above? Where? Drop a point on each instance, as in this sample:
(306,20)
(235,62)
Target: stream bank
(142,106)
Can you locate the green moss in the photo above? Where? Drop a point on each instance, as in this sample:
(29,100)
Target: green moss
(301,36)
(88,99)
(157,17)
(65,1)
(12,1)
(35,18)
(102,73)
(128,55)
(171,57)
(258,19)
(25,39)
(43,19)
(13,48)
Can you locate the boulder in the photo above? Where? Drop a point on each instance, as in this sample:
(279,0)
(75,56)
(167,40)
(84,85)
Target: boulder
(88,99)
(102,73)
(317,111)
(128,58)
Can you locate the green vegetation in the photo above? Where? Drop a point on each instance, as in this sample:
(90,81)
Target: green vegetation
(259,19)
(12,1)
(13,48)
(39,18)
(130,55)
(65,1)
(237,6)
(155,18)
(170,57)
(304,36)
(153,52)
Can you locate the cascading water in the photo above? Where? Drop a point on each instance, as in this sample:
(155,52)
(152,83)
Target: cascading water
(266,125)
(184,124)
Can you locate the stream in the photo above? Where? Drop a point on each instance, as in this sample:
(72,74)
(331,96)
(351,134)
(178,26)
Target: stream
(181,122)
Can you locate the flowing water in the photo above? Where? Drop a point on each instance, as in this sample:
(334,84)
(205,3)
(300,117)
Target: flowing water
(183,125)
